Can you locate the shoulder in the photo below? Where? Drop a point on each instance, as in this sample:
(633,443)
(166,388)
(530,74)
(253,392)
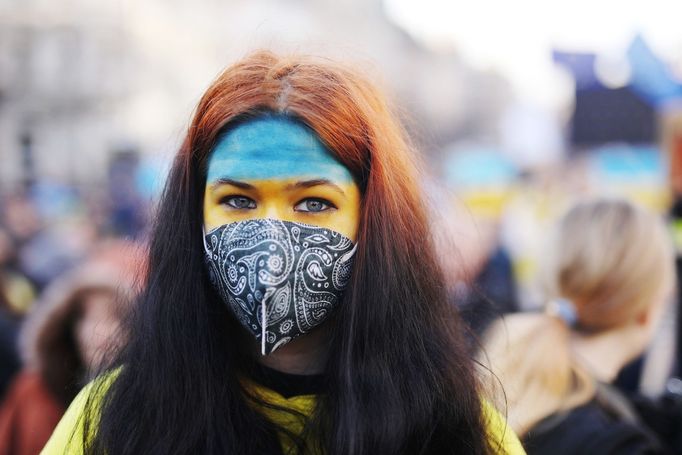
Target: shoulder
(29,398)
(500,433)
(28,416)
(589,429)
(28,384)
(69,435)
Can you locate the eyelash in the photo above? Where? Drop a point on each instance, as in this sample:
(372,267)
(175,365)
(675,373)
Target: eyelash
(228,199)
(325,202)
(252,204)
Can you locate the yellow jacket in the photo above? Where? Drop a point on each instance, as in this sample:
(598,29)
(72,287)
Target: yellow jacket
(67,437)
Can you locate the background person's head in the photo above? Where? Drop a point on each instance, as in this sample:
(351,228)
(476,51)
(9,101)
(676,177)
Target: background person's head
(73,329)
(97,325)
(614,261)
(609,273)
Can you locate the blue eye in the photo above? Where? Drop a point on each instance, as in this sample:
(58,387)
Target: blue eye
(239,202)
(313,205)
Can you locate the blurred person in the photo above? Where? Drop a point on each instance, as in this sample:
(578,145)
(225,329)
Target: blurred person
(20,217)
(128,210)
(49,233)
(16,295)
(676,227)
(540,196)
(9,329)
(57,248)
(609,274)
(478,269)
(294,300)
(19,292)
(65,337)
(492,293)
(20,223)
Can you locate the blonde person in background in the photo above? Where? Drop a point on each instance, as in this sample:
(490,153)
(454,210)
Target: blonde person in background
(609,275)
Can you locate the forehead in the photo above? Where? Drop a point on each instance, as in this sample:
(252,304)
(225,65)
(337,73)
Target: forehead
(273,147)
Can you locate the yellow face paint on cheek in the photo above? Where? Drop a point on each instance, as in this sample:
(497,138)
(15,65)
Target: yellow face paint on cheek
(333,205)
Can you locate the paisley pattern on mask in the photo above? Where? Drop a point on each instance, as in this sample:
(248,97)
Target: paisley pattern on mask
(280,279)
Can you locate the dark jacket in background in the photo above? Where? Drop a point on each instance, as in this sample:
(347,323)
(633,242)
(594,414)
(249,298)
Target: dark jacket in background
(489,297)
(9,354)
(606,425)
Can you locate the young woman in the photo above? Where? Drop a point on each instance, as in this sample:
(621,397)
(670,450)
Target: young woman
(610,273)
(294,303)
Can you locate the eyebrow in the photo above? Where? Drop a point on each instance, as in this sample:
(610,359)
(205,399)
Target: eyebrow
(316,182)
(237,183)
(298,185)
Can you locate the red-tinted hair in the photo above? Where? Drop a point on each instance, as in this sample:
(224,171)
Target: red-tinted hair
(399,378)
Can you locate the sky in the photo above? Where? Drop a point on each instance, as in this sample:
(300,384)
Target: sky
(515,38)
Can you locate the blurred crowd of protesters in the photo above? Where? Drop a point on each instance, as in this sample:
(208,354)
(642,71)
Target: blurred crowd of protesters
(65,283)
(64,337)
(66,277)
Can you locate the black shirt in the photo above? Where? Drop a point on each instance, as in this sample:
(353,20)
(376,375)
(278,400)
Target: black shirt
(286,384)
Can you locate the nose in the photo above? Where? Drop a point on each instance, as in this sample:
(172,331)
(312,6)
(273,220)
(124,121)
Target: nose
(273,211)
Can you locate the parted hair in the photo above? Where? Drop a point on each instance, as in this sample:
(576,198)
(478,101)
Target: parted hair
(399,380)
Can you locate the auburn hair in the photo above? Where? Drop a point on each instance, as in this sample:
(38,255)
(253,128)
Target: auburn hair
(399,379)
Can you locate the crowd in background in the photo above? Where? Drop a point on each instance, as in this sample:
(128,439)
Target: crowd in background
(71,261)
(86,113)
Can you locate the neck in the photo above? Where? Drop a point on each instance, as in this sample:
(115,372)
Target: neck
(306,354)
(605,354)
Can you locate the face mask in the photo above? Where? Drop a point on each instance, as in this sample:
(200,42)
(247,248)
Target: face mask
(280,279)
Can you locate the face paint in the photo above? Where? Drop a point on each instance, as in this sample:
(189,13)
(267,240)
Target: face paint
(275,196)
(274,147)
(274,167)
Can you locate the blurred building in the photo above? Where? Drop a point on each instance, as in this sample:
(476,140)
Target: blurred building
(79,78)
(63,72)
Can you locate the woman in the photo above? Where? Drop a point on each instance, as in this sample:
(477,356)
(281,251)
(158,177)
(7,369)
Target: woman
(293,185)
(63,339)
(610,273)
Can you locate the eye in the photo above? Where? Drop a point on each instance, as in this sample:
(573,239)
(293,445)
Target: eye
(239,202)
(313,205)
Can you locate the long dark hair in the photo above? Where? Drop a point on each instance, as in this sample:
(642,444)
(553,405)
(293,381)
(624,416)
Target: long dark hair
(399,378)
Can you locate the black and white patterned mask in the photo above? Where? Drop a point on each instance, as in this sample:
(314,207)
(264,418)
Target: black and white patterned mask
(280,279)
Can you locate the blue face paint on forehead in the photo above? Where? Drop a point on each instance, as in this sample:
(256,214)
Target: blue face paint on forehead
(273,147)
